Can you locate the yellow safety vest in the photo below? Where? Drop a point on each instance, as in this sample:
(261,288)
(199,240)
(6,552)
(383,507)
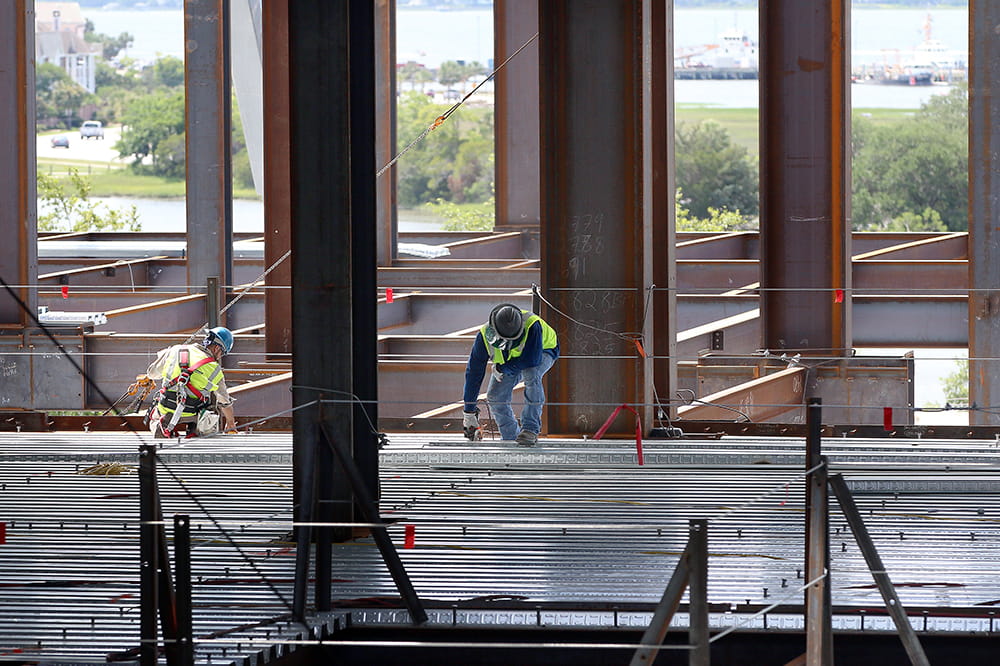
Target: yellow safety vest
(203,375)
(549,339)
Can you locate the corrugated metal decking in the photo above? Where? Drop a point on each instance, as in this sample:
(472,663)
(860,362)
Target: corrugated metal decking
(570,534)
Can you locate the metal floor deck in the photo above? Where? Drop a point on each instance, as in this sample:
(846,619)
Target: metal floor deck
(571,534)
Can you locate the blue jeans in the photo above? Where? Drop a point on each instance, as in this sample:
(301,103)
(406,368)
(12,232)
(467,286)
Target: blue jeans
(499,394)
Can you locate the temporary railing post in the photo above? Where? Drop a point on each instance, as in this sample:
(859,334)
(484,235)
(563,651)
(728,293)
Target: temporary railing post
(303,532)
(212,301)
(909,637)
(148,556)
(182,583)
(698,593)
(379,533)
(819,633)
(671,599)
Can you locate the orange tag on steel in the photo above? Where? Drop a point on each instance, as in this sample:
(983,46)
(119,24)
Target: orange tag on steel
(638,346)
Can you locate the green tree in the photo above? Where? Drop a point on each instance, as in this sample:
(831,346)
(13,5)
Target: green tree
(110,46)
(147,123)
(64,205)
(956,384)
(713,171)
(914,171)
(168,71)
(454,162)
(57,96)
(717,220)
(466,217)
(450,73)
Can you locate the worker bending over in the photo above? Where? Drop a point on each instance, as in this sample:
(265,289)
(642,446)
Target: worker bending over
(193,372)
(521,346)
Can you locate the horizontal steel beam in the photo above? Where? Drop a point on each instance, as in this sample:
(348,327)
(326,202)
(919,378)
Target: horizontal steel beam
(762,399)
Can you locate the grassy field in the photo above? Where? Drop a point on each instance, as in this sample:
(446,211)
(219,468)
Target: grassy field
(112,180)
(742,124)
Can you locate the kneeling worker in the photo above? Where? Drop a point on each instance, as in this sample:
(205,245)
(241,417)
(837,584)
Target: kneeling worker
(194,373)
(521,346)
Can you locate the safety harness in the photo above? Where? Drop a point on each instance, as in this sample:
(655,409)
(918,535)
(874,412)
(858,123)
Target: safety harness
(179,384)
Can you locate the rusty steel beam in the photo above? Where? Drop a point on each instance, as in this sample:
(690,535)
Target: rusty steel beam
(906,277)
(594,261)
(517,120)
(207,143)
(385,124)
(805,174)
(18,257)
(758,400)
(984,211)
(458,277)
(729,245)
(943,246)
(659,239)
(277,177)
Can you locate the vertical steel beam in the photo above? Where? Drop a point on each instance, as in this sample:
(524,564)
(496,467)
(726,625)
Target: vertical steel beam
(277,178)
(805,175)
(698,593)
(18,254)
(660,323)
(517,121)
(984,203)
(149,552)
(819,632)
(363,238)
(385,122)
(331,95)
(207,142)
(182,583)
(592,203)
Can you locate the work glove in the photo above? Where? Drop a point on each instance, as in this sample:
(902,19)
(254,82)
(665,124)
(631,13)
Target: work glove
(470,426)
(143,380)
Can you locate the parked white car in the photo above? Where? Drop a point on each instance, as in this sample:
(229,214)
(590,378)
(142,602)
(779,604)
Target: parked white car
(92,129)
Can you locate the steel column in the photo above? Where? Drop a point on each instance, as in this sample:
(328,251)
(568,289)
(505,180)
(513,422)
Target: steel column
(592,165)
(805,175)
(517,121)
(363,236)
(18,255)
(277,178)
(698,592)
(385,122)
(331,96)
(207,142)
(819,633)
(984,203)
(660,244)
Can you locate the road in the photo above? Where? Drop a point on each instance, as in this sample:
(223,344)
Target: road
(98,151)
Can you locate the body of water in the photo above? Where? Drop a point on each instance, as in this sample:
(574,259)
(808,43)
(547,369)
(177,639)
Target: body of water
(432,37)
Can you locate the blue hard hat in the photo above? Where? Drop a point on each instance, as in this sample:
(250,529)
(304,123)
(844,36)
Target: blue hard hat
(220,335)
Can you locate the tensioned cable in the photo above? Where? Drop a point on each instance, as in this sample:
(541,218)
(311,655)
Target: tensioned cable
(242,293)
(768,609)
(444,116)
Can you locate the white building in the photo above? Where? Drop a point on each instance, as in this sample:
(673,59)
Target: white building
(59,30)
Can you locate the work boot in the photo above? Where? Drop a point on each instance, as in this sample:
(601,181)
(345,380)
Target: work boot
(526,438)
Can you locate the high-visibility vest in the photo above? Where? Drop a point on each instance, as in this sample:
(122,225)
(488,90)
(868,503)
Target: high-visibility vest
(196,373)
(549,340)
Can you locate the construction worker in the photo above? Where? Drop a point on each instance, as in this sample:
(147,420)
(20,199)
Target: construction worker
(521,346)
(194,371)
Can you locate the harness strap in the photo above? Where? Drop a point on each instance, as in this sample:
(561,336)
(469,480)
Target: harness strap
(181,381)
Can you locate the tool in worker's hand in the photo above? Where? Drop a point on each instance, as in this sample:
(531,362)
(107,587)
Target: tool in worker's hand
(470,426)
